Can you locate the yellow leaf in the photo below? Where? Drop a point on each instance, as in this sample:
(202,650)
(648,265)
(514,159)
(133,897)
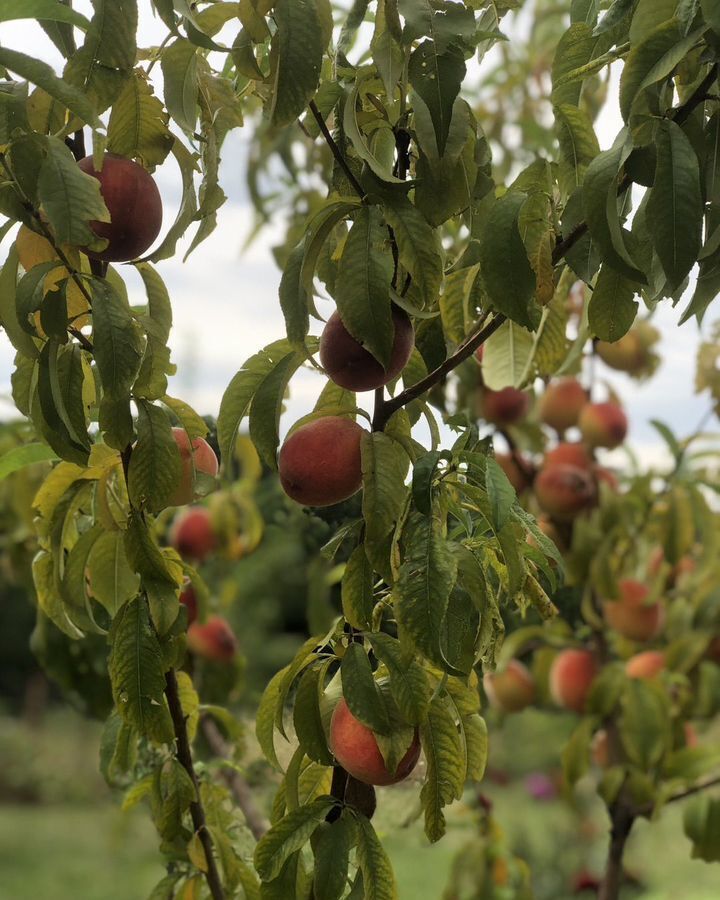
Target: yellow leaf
(196,853)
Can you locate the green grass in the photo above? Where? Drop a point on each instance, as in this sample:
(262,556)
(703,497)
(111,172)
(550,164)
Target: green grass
(73,843)
(76,853)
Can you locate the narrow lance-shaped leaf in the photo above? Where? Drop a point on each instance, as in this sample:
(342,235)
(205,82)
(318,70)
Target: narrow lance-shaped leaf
(362,291)
(298,55)
(675,205)
(505,268)
(436,77)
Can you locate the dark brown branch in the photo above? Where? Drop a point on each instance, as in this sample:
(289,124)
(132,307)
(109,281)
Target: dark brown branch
(338,787)
(432,378)
(681,795)
(622,823)
(341,161)
(234,780)
(184,756)
(84,341)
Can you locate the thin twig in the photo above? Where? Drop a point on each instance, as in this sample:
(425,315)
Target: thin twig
(81,338)
(330,141)
(432,378)
(237,784)
(197,812)
(681,795)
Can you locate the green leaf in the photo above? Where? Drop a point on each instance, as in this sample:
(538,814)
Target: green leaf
(578,145)
(701,823)
(48,596)
(267,404)
(136,673)
(9,318)
(427,575)
(187,162)
(419,248)
(356,588)
(46,10)
(172,793)
(161,576)
(331,852)
(27,455)
(289,835)
(501,494)
(155,466)
(675,205)
(138,127)
(352,110)
(307,718)
(179,70)
(112,580)
(319,228)
(644,724)
(600,205)
(69,197)
(297,47)
(271,700)
(446,759)
(60,380)
(116,345)
(99,68)
(614,15)
(476,741)
(361,692)
(506,272)
(43,76)
(378,877)
(294,298)
(362,291)
(578,47)
(384,467)
(711,13)
(654,59)
(506,357)
(612,308)
(576,752)
(436,78)
(409,684)
(241,390)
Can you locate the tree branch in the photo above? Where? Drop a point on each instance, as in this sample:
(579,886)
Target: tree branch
(184,756)
(622,823)
(341,161)
(234,780)
(681,795)
(432,378)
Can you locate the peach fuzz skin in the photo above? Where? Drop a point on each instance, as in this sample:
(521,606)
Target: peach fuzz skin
(354,746)
(510,689)
(351,366)
(571,676)
(630,615)
(213,640)
(192,534)
(134,204)
(320,462)
(197,456)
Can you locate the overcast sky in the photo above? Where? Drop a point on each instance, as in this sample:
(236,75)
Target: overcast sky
(226,307)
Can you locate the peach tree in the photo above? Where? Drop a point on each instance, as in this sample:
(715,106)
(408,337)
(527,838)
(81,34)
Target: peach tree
(428,250)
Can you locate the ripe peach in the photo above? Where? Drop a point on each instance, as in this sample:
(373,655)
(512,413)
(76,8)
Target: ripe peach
(568,454)
(188,598)
(353,367)
(505,407)
(196,457)
(564,491)
(630,616)
(517,476)
(320,464)
(510,689)
(355,747)
(603,425)
(134,204)
(561,403)
(571,675)
(646,664)
(192,534)
(212,640)
(625,355)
